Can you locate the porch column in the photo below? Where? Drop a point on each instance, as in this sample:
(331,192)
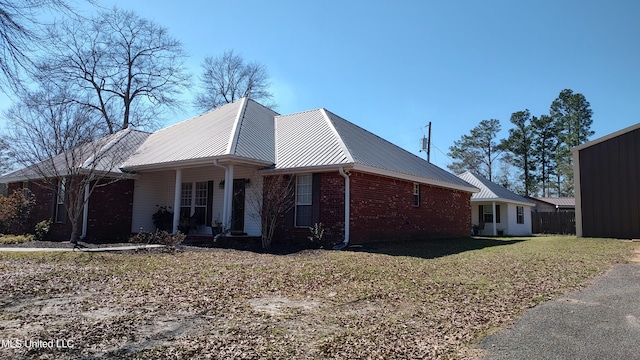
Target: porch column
(493,206)
(176,200)
(228,197)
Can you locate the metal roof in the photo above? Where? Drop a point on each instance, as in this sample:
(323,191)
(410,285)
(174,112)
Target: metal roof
(104,155)
(319,138)
(490,191)
(243,128)
(562,202)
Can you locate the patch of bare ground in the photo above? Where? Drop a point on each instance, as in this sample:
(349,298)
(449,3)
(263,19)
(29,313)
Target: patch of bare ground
(429,300)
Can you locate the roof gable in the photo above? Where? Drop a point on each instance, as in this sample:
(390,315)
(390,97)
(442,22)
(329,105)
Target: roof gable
(490,191)
(243,128)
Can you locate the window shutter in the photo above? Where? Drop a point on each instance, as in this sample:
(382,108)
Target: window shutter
(497,214)
(481,214)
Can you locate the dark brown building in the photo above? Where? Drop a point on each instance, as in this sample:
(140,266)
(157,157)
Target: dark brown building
(607,185)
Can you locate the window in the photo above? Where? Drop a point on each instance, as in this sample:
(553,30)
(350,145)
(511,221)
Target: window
(186,197)
(193,201)
(416,194)
(61,195)
(486,214)
(304,198)
(520,214)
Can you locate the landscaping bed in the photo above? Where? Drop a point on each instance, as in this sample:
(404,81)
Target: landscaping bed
(427,299)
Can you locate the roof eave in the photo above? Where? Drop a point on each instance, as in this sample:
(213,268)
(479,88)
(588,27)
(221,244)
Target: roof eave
(190,163)
(504,201)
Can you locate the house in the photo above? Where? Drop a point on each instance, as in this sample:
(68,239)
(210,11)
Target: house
(210,169)
(107,214)
(606,175)
(551,204)
(512,211)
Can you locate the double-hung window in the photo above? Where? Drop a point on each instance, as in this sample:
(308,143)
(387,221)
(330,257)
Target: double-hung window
(416,194)
(304,190)
(520,214)
(61,195)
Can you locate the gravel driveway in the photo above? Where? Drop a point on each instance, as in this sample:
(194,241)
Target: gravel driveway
(602,321)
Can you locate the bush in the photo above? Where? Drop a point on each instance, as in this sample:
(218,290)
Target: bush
(14,213)
(42,229)
(15,239)
(159,237)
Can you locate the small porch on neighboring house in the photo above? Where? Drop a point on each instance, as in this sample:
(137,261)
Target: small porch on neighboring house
(203,201)
(497,211)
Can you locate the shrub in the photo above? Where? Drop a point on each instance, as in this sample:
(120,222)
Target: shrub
(14,213)
(15,239)
(159,237)
(42,229)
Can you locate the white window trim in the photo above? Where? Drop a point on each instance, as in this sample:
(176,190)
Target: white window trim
(297,202)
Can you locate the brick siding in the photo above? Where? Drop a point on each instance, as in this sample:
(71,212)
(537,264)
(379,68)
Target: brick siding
(382,210)
(110,209)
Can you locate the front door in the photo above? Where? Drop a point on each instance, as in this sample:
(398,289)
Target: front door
(237,208)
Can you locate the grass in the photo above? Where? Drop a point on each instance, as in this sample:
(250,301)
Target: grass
(430,299)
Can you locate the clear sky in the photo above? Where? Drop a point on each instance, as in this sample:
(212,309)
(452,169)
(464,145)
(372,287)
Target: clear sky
(393,66)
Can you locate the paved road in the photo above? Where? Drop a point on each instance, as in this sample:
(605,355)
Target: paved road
(601,321)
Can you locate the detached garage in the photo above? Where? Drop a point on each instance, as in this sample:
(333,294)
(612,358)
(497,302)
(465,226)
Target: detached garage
(607,185)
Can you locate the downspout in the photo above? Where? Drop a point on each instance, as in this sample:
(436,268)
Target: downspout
(85,212)
(347,207)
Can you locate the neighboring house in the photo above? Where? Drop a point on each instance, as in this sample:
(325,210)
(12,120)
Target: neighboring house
(107,214)
(607,174)
(551,204)
(512,211)
(360,186)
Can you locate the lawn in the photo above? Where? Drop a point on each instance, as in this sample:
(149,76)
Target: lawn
(429,299)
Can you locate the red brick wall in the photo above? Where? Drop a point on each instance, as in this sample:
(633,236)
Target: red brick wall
(110,209)
(382,209)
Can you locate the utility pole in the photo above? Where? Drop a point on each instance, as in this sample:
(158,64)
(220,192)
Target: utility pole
(426,144)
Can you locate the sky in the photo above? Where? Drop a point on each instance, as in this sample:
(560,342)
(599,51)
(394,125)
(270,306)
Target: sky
(391,67)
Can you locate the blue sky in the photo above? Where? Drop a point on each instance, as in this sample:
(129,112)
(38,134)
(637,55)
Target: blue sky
(393,66)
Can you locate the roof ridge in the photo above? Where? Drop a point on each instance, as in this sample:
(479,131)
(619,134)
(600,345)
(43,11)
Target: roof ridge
(341,142)
(235,130)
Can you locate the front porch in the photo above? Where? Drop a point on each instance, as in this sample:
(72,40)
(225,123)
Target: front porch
(200,200)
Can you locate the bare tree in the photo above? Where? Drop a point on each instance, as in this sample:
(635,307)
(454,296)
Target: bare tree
(6,158)
(228,77)
(62,147)
(271,197)
(124,67)
(20,36)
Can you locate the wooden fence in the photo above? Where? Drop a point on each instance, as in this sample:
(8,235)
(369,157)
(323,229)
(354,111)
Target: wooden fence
(553,222)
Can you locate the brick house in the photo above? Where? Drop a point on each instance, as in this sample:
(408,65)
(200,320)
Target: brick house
(210,169)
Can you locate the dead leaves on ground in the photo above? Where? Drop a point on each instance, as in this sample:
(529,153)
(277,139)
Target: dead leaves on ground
(313,304)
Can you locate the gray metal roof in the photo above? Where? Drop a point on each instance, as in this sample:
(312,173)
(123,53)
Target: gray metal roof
(243,128)
(490,191)
(320,138)
(562,202)
(104,155)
